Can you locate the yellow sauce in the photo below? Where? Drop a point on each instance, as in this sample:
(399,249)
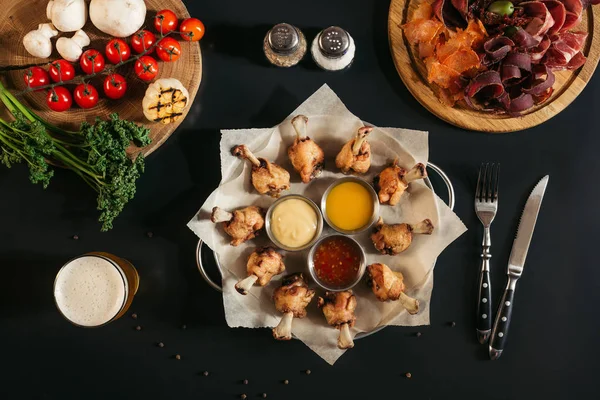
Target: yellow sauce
(294,223)
(349,206)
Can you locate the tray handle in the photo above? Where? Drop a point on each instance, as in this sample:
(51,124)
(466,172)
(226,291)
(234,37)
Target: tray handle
(216,286)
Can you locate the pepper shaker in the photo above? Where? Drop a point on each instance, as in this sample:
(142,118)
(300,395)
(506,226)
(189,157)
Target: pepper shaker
(284,45)
(333,49)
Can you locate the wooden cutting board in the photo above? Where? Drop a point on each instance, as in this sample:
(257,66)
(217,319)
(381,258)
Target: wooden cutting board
(19,17)
(567,87)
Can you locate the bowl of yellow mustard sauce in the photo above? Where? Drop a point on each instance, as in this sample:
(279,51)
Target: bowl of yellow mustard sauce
(294,222)
(350,205)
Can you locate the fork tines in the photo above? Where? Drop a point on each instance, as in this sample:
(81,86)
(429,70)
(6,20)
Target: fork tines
(487,182)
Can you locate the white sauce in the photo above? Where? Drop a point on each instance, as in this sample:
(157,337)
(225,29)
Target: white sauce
(294,223)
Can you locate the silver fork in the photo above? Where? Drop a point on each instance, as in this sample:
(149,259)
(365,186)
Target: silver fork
(486,206)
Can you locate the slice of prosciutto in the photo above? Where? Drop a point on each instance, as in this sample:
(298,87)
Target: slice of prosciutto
(565,51)
(541,20)
(574,11)
(540,50)
(558,12)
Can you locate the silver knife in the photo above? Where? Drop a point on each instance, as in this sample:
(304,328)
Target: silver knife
(515,267)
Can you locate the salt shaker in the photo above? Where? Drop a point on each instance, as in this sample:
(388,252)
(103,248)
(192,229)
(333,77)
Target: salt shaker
(284,45)
(333,49)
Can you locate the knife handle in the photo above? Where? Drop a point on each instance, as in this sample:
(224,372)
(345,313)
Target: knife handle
(484,306)
(502,322)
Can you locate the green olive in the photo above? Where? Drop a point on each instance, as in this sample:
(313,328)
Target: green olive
(502,8)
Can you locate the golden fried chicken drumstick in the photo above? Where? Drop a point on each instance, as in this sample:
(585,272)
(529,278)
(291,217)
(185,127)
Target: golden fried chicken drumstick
(242,224)
(267,178)
(356,153)
(338,308)
(389,285)
(391,183)
(291,299)
(394,239)
(263,264)
(305,155)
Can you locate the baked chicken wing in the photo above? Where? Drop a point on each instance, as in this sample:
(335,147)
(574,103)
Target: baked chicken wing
(305,155)
(267,178)
(338,308)
(242,224)
(291,299)
(356,153)
(391,183)
(262,265)
(396,238)
(389,285)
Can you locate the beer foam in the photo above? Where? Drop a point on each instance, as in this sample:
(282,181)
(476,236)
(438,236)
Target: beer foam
(90,291)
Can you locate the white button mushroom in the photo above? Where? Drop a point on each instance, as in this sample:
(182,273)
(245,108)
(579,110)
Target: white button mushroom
(71,49)
(37,42)
(119,18)
(67,15)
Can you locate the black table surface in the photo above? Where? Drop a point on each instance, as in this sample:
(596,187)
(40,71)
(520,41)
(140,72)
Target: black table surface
(551,351)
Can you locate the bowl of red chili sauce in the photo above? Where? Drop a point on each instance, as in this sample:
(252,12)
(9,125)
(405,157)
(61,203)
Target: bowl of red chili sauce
(336,262)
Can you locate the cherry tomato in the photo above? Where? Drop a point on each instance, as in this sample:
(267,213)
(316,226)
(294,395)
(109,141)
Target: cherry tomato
(142,41)
(146,68)
(61,70)
(86,96)
(59,99)
(192,29)
(92,61)
(117,50)
(115,86)
(36,77)
(165,22)
(168,49)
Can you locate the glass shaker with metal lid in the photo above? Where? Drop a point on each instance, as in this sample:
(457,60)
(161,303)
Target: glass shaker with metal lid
(333,49)
(284,45)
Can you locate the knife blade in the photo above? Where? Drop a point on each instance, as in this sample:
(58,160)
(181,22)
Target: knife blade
(516,262)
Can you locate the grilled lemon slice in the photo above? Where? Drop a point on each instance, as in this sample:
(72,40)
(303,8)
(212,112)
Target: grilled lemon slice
(165,101)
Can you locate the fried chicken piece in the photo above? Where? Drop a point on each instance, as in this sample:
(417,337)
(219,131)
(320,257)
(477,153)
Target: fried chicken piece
(389,285)
(291,299)
(338,308)
(356,153)
(393,181)
(242,224)
(394,239)
(267,178)
(263,264)
(305,155)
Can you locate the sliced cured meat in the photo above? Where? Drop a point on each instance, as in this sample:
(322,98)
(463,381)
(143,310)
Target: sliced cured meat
(461,6)
(462,60)
(540,50)
(576,62)
(420,30)
(541,20)
(542,79)
(510,73)
(523,39)
(460,40)
(423,11)
(574,40)
(497,48)
(558,12)
(487,83)
(520,60)
(448,14)
(555,62)
(441,75)
(573,15)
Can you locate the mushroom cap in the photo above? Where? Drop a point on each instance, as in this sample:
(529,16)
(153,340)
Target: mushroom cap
(118,18)
(68,49)
(37,44)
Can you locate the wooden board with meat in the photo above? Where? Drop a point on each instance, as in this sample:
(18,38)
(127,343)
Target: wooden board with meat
(495,66)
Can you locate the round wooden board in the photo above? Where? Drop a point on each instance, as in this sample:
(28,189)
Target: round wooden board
(19,17)
(567,87)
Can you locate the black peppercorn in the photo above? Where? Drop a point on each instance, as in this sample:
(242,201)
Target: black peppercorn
(245,381)
(75,237)
(419,334)
(134,316)
(138,328)
(205,373)
(161,344)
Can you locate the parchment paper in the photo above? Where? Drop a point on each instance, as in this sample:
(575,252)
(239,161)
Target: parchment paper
(330,125)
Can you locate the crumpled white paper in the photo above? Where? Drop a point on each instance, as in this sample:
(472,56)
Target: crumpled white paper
(330,125)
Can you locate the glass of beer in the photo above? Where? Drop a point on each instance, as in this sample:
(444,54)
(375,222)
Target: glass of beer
(95,289)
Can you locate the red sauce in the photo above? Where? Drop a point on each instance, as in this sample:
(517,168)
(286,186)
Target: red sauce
(337,261)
